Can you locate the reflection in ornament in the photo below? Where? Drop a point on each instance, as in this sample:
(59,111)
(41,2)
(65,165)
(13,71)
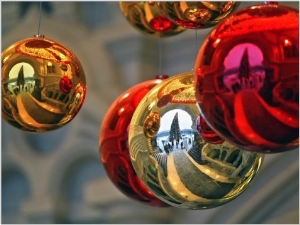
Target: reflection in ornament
(43,85)
(65,84)
(206,133)
(197,15)
(151,125)
(175,163)
(247,78)
(147,18)
(113,143)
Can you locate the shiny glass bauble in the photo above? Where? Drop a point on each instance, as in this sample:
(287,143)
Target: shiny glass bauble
(172,159)
(113,144)
(247,78)
(195,14)
(147,18)
(43,85)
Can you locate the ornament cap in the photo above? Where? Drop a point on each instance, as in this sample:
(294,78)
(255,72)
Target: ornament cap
(269,3)
(39,36)
(161,76)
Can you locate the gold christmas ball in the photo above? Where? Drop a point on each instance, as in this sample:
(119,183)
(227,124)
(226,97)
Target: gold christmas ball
(43,85)
(147,18)
(197,15)
(174,161)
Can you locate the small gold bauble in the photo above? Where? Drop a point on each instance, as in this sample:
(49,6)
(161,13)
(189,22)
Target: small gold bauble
(174,161)
(43,85)
(197,15)
(147,18)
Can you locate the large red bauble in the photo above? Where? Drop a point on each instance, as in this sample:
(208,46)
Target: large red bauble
(247,78)
(113,144)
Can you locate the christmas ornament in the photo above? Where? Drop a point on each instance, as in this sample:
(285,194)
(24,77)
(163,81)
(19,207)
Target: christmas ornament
(43,85)
(247,78)
(147,18)
(113,144)
(206,133)
(172,159)
(197,15)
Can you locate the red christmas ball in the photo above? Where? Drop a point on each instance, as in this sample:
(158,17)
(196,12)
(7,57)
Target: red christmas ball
(113,144)
(247,78)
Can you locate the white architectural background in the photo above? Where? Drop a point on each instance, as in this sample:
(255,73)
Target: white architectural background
(58,178)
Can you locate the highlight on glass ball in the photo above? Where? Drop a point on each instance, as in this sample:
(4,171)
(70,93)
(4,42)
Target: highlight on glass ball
(43,85)
(113,144)
(247,78)
(174,161)
(147,18)
(196,14)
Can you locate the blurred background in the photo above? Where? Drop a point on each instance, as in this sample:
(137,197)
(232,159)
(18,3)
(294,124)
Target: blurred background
(58,177)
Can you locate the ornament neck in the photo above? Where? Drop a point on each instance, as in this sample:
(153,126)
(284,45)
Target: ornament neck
(39,36)
(161,76)
(270,3)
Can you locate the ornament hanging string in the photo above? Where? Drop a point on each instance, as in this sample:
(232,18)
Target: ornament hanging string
(159,56)
(196,42)
(40,15)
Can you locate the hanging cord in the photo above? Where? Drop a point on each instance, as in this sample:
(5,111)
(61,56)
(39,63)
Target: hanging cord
(160,75)
(196,41)
(159,56)
(196,44)
(40,16)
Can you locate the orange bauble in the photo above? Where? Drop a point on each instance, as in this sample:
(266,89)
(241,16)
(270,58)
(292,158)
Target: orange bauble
(43,85)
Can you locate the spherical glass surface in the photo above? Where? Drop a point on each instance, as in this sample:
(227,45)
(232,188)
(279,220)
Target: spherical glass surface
(113,145)
(197,15)
(174,161)
(247,78)
(43,85)
(147,18)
